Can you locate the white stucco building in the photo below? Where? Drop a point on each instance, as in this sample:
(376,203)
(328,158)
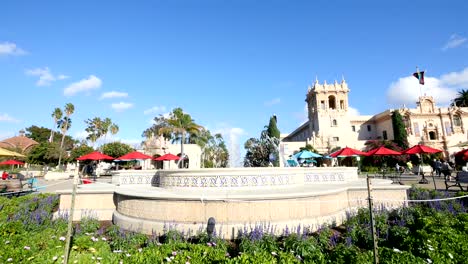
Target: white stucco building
(158,146)
(331,125)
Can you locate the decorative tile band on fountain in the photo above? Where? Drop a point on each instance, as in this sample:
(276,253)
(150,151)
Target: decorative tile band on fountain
(252,177)
(124,177)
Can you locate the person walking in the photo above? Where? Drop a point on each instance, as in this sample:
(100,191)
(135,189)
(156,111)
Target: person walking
(446,169)
(438,167)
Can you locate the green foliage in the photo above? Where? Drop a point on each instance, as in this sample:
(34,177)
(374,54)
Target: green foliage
(260,150)
(98,128)
(272,129)
(431,232)
(400,137)
(462,99)
(45,153)
(116,149)
(79,151)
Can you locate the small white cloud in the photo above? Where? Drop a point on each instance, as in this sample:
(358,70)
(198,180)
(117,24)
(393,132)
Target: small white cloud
(8,118)
(456,79)
(155,110)
(121,106)
(8,48)
(45,76)
(407,91)
(81,134)
(273,102)
(454,41)
(113,94)
(353,111)
(91,83)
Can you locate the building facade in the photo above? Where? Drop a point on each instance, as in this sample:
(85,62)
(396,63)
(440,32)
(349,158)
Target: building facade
(330,123)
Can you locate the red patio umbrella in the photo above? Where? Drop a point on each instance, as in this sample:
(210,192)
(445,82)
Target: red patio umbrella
(167,156)
(11,162)
(135,155)
(345,152)
(382,151)
(96,155)
(422,149)
(461,152)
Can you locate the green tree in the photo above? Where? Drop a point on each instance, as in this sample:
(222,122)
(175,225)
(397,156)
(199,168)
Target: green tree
(98,128)
(159,122)
(181,126)
(258,150)
(273,130)
(400,137)
(65,125)
(116,149)
(308,147)
(39,134)
(462,99)
(42,135)
(79,151)
(57,115)
(45,153)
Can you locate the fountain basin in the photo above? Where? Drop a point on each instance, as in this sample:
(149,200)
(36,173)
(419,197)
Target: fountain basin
(238,198)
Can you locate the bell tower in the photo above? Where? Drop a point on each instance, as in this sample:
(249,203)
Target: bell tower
(327,106)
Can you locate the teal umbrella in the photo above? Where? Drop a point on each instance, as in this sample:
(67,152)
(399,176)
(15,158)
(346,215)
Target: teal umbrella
(306,154)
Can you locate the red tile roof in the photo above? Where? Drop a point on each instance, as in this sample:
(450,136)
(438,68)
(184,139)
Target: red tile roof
(18,142)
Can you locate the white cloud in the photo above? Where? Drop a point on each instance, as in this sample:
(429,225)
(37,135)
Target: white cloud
(406,91)
(81,134)
(45,76)
(272,102)
(91,83)
(456,79)
(121,106)
(113,94)
(154,110)
(454,41)
(8,48)
(8,118)
(353,111)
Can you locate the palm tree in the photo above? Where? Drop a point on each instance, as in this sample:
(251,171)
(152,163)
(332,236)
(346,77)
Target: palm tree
(69,110)
(106,123)
(203,139)
(93,129)
(462,99)
(181,125)
(114,129)
(57,115)
(98,128)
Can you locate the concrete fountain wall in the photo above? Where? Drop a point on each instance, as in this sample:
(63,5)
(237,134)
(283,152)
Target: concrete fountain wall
(244,197)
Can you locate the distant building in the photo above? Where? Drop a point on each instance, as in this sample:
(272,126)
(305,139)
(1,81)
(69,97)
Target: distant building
(157,146)
(331,125)
(19,143)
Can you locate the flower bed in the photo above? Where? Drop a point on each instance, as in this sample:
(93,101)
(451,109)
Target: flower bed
(430,232)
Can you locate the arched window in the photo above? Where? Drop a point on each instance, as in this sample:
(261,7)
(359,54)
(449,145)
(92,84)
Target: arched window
(456,120)
(432,135)
(332,102)
(334,122)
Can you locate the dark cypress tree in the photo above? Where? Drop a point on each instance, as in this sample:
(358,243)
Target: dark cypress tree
(400,137)
(273,130)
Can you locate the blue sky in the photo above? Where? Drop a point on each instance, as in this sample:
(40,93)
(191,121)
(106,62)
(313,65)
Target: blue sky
(230,64)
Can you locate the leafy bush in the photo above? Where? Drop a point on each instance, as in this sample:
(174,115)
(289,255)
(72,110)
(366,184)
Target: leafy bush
(423,232)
